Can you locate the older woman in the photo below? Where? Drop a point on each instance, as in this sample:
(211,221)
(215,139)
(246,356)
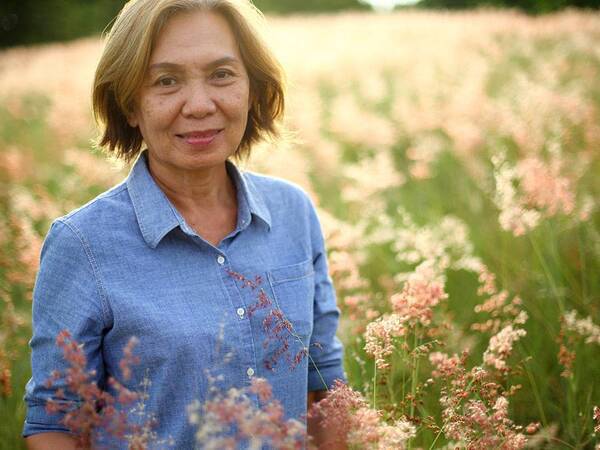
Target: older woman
(189,254)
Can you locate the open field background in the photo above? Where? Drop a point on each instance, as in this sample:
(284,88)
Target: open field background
(460,151)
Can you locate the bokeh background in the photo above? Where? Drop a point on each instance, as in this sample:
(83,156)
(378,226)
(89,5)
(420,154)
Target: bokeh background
(30,21)
(457,142)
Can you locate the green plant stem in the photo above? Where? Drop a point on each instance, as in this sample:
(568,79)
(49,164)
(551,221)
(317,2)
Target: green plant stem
(582,271)
(536,392)
(318,372)
(581,440)
(570,403)
(375,385)
(561,442)
(548,274)
(571,389)
(437,436)
(414,378)
(404,358)
(312,361)
(414,373)
(390,380)
(295,335)
(562,268)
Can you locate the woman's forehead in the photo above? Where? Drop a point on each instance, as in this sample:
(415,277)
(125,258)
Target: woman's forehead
(201,35)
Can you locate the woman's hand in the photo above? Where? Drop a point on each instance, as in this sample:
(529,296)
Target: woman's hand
(321,439)
(51,441)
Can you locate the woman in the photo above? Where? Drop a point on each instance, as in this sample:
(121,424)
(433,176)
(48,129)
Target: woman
(189,254)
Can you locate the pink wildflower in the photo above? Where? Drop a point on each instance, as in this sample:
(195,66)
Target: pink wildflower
(262,388)
(545,187)
(584,328)
(419,295)
(128,358)
(98,410)
(473,411)
(228,420)
(532,427)
(395,436)
(379,337)
(278,329)
(352,422)
(500,346)
(444,366)
(367,434)
(487,282)
(336,410)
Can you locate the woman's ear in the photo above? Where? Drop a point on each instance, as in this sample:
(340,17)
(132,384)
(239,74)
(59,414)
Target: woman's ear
(131,117)
(130,111)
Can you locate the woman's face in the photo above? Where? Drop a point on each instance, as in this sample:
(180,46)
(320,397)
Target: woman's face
(193,106)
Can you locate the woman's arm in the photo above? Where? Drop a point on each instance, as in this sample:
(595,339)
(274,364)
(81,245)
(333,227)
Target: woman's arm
(326,351)
(67,297)
(51,441)
(321,439)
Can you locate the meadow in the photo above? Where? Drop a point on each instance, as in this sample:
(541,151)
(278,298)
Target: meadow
(455,162)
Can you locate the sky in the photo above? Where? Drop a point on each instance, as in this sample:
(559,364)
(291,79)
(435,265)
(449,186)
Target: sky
(389,4)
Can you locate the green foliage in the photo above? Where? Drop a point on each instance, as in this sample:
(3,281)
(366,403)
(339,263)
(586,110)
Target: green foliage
(29,21)
(295,6)
(12,408)
(530,6)
(25,22)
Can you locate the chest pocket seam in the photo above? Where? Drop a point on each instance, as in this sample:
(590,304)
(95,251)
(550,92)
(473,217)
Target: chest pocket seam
(293,273)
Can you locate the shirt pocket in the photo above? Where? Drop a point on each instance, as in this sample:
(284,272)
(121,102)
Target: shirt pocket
(293,290)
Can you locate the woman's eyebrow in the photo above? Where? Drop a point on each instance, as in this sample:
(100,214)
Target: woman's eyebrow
(163,66)
(211,65)
(222,61)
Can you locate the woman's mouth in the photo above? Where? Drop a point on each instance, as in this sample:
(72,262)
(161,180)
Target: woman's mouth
(200,138)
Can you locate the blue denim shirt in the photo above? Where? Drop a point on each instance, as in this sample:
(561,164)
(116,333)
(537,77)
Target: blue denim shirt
(127,264)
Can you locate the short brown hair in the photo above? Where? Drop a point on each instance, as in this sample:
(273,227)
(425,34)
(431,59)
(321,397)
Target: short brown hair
(126,56)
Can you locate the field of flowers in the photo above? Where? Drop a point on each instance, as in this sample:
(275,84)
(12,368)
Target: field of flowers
(455,160)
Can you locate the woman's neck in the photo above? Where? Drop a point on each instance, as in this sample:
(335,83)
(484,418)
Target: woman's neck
(194,192)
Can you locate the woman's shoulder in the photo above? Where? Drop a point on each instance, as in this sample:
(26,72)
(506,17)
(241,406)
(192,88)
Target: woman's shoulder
(107,207)
(275,188)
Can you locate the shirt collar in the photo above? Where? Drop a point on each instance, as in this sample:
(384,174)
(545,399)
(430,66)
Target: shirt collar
(248,195)
(156,215)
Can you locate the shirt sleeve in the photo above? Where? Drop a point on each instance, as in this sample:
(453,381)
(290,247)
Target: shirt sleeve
(67,296)
(326,350)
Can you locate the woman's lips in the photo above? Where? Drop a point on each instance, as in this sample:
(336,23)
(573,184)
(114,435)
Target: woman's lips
(199,138)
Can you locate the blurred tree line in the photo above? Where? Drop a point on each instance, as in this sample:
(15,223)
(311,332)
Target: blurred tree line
(31,21)
(529,6)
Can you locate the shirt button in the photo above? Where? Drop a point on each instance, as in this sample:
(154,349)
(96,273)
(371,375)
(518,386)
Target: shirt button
(250,371)
(240,312)
(221,259)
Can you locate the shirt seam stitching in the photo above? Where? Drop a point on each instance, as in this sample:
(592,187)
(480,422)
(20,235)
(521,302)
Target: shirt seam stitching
(94,265)
(108,194)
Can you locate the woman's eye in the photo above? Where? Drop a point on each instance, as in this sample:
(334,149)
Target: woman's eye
(166,81)
(223,74)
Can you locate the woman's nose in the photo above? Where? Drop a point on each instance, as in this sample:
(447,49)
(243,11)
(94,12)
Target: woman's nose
(198,101)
